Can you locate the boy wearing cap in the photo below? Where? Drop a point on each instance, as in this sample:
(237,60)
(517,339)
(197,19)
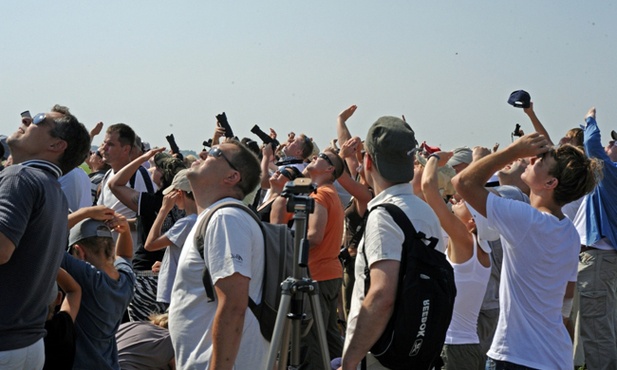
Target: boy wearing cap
(540,248)
(107,281)
(179,193)
(388,168)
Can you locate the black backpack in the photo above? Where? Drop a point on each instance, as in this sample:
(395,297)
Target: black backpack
(279,250)
(415,334)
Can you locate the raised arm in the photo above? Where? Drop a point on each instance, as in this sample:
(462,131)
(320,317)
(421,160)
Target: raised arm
(266,159)
(72,289)
(342,132)
(117,183)
(124,244)
(455,229)
(469,183)
(537,125)
(100,213)
(155,240)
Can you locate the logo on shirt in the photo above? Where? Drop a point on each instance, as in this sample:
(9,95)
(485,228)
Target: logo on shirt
(236,257)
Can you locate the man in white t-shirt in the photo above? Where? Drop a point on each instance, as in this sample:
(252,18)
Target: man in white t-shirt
(117,151)
(388,168)
(222,333)
(540,248)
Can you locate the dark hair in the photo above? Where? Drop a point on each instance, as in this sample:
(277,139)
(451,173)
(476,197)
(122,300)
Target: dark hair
(248,165)
(126,135)
(76,136)
(97,245)
(307,146)
(576,173)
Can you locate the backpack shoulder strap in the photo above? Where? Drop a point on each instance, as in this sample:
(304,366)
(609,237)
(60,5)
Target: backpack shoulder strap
(410,233)
(198,242)
(145,176)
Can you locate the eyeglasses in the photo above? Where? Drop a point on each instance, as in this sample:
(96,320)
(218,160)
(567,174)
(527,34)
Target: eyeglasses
(217,152)
(39,119)
(325,157)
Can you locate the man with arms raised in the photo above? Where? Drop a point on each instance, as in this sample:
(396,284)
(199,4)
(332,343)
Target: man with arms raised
(224,333)
(34,229)
(388,168)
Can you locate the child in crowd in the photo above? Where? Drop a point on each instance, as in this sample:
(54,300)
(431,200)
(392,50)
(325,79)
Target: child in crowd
(107,281)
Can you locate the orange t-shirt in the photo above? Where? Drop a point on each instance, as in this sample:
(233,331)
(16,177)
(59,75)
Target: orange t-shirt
(323,259)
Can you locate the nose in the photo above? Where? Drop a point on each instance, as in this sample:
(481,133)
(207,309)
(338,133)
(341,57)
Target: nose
(26,121)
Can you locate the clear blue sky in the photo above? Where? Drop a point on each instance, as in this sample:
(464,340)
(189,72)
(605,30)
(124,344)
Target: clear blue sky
(449,66)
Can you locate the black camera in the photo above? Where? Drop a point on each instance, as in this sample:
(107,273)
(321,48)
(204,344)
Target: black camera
(517,131)
(207,143)
(265,137)
(172,144)
(222,120)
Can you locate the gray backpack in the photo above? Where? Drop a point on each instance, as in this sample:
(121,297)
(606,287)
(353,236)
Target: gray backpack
(279,250)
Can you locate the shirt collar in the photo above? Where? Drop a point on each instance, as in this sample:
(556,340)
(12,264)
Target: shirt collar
(398,189)
(44,165)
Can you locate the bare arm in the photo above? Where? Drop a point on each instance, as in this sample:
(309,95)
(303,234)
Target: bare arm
(95,130)
(100,213)
(278,213)
(470,182)
(124,244)
(317,225)
(375,312)
(72,301)
(342,132)
(232,293)
(349,151)
(6,249)
(537,125)
(461,239)
(117,184)
(266,159)
(358,190)
(155,240)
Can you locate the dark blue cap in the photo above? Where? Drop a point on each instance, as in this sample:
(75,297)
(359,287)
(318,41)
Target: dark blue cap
(520,99)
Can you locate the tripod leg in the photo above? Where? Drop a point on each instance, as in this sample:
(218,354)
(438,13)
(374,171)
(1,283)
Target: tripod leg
(284,353)
(321,328)
(279,328)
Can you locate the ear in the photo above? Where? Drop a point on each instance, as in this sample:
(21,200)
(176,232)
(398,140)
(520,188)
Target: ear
(79,252)
(369,162)
(232,179)
(58,146)
(551,184)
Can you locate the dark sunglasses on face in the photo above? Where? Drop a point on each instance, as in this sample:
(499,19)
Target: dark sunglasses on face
(217,152)
(325,157)
(39,119)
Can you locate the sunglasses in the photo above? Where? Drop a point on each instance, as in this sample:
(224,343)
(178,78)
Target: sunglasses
(325,157)
(217,152)
(39,119)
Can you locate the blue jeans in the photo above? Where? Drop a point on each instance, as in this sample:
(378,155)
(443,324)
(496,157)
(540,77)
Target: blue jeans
(27,358)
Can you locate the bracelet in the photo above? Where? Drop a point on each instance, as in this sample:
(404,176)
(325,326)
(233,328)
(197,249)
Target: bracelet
(433,155)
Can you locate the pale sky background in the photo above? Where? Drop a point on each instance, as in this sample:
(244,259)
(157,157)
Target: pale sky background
(448,66)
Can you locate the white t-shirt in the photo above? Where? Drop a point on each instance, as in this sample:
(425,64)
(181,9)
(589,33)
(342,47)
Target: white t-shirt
(384,239)
(76,188)
(177,235)
(233,243)
(108,199)
(540,255)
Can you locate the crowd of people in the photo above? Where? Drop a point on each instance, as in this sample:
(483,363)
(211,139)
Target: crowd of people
(101,267)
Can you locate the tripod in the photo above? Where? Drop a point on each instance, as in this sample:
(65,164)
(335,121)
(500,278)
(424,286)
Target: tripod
(287,329)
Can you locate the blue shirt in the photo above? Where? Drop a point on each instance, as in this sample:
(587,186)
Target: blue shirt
(601,211)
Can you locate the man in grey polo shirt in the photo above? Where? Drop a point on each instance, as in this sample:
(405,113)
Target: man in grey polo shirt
(33,229)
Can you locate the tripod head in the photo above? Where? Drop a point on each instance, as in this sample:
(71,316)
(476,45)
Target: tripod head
(297,194)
